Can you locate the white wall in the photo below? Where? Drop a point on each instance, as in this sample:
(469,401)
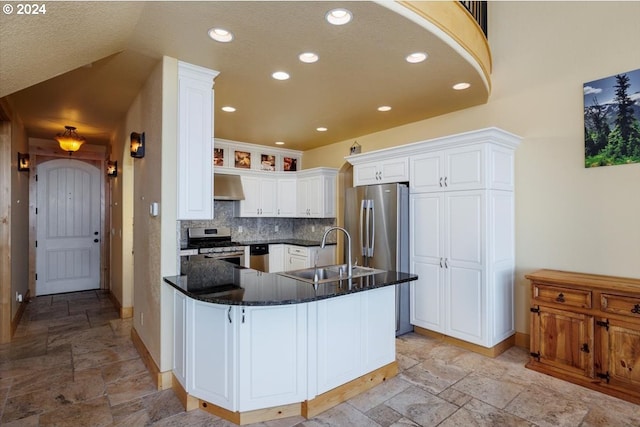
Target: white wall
(567,217)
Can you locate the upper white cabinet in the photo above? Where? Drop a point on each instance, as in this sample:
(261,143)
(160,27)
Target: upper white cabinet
(195,141)
(316,193)
(381,172)
(260,196)
(286,196)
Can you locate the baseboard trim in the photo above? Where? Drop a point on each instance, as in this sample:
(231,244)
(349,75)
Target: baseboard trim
(492,352)
(189,402)
(523,340)
(333,397)
(125,312)
(21,308)
(162,380)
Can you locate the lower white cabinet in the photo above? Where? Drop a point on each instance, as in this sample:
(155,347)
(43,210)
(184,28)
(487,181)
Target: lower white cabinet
(299,257)
(276,258)
(211,363)
(272,359)
(355,335)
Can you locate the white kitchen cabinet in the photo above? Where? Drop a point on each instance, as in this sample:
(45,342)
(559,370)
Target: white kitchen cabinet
(195,142)
(299,257)
(381,172)
(180,337)
(260,196)
(286,199)
(462,240)
(211,362)
(316,193)
(272,356)
(276,258)
(368,342)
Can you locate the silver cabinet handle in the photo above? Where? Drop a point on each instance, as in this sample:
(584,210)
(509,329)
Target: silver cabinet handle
(243,315)
(440,181)
(440,262)
(229,314)
(445,182)
(446,263)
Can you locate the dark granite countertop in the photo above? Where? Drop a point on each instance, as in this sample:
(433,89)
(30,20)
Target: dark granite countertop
(296,242)
(221,282)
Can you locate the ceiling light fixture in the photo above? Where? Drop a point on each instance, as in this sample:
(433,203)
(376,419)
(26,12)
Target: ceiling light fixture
(228,109)
(279,143)
(70,140)
(384,108)
(308,57)
(461,86)
(221,35)
(280,75)
(416,57)
(321,129)
(338,16)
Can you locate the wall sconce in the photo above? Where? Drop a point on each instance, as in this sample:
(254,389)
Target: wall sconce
(23,162)
(137,145)
(112,168)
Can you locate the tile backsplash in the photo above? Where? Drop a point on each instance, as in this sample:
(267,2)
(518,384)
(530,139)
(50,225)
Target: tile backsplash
(260,228)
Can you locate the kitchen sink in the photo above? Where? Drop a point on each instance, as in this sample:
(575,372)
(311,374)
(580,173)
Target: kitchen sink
(329,273)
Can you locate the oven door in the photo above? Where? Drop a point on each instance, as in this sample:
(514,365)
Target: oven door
(236,258)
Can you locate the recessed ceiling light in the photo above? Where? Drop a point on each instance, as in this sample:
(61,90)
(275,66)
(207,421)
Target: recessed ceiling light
(280,75)
(308,57)
(321,129)
(416,57)
(221,35)
(228,109)
(461,86)
(338,16)
(384,108)
(279,143)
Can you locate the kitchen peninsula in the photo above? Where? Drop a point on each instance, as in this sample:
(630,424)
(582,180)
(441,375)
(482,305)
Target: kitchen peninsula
(252,346)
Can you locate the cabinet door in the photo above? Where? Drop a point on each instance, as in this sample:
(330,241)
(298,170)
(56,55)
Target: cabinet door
(211,338)
(315,196)
(286,197)
(268,197)
(464,168)
(365,174)
(250,206)
(180,337)
(426,250)
(621,354)
(276,258)
(195,142)
(273,356)
(427,172)
(395,170)
(563,340)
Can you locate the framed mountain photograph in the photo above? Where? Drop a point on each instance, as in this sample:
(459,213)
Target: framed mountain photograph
(612,120)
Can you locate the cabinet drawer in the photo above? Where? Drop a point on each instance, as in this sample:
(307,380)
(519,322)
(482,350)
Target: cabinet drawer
(618,304)
(560,295)
(297,250)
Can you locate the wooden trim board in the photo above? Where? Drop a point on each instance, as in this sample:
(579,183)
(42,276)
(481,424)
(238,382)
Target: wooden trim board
(523,340)
(251,417)
(331,398)
(162,380)
(494,351)
(21,308)
(189,402)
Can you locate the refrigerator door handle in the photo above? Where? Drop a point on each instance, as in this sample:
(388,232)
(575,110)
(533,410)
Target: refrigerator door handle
(361,225)
(372,228)
(367,207)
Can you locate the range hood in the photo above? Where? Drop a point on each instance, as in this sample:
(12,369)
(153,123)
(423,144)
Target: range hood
(227,187)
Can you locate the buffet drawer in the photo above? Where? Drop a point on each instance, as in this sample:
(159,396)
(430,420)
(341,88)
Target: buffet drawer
(560,295)
(618,304)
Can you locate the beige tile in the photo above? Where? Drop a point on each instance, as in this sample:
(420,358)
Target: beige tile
(547,408)
(421,407)
(157,406)
(130,388)
(86,360)
(377,395)
(121,327)
(88,336)
(405,362)
(384,415)
(104,342)
(454,396)
(93,412)
(341,415)
(32,421)
(114,371)
(489,390)
(193,418)
(33,381)
(433,375)
(404,422)
(620,414)
(22,347)
(479,414)
(15,368)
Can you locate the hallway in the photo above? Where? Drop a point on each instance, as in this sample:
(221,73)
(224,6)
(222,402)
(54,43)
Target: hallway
(72,363)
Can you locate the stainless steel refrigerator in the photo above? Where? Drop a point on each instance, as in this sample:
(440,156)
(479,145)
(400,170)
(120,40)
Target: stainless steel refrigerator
(377,217)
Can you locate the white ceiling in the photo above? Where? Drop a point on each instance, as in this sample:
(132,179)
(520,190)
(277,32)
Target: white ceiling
(83,63)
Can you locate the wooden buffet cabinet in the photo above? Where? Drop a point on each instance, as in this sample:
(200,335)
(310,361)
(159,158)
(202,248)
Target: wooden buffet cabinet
(585,329)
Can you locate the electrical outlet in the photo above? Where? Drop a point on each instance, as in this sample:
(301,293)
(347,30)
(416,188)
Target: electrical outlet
(313,228)
(277,228)
(239,229)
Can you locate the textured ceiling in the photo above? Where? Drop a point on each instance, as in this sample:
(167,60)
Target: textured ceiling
(82,64)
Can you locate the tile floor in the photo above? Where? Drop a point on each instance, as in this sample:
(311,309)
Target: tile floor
(72,363)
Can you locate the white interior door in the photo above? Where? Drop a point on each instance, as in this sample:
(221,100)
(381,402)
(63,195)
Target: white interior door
(68,227)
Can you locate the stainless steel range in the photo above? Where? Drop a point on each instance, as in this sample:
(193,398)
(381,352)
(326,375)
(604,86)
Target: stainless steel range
(212,243)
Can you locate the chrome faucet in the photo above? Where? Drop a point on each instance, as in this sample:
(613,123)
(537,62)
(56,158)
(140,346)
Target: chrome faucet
(349,266)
